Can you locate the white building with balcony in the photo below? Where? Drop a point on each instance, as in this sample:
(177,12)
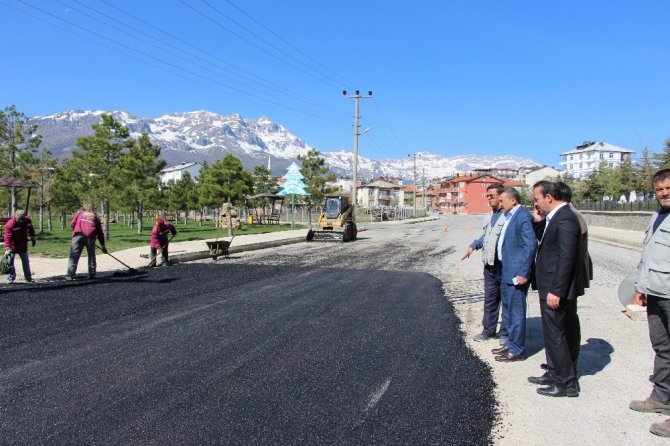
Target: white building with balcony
(587,157)
(176,172)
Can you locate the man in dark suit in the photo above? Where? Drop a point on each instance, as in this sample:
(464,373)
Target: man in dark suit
(516,250)
(561,275)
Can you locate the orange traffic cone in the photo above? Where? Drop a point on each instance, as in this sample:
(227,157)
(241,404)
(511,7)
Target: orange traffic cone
(445,229)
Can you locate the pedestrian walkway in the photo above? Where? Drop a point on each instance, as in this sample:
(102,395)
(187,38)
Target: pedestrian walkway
(186,251)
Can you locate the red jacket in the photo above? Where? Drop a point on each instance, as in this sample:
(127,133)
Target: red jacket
(88,224)
(16,234)
(159,235)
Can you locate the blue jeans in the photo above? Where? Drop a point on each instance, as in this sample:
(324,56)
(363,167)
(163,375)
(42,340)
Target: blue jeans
(79,241)
(11,274)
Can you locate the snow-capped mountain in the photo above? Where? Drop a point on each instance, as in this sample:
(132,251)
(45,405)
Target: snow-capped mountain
(202,135)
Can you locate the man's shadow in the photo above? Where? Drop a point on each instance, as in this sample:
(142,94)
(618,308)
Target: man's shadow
(594,355)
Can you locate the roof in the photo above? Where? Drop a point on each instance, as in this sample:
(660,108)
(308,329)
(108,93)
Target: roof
(591,146)
(180,166)
(469,178)
(514,183)
(383,184)
(14,182)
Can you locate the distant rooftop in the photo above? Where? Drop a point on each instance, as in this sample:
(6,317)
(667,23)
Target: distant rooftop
(598,146)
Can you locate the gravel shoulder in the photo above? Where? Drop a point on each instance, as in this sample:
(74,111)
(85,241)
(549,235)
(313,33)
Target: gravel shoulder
(615,362)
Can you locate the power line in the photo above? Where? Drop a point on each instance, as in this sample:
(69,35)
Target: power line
(346,81)
(245,73)
(170,64)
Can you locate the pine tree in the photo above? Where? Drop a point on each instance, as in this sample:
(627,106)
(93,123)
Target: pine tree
(224,180)
(98,163)
(316,175)
(141,167)
(662,160)
(18,143)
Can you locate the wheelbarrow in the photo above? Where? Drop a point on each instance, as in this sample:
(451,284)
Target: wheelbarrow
(219,248)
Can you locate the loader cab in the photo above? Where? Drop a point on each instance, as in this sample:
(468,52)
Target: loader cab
(335,206)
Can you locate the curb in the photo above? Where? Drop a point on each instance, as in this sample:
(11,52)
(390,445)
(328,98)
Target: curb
(200,255)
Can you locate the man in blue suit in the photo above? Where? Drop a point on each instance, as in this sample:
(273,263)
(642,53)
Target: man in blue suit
(516,251)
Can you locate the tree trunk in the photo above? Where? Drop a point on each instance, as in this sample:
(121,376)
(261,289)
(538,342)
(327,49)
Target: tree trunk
(49,222)
(140,213)
(105,218)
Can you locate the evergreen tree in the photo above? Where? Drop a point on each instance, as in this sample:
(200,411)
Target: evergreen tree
(65,190)
(662,160)
(98,163)
(182,195)
(18,144)
(644,173)
(141,168)
(315,173)
(224,180)
(44,178)
(263,182)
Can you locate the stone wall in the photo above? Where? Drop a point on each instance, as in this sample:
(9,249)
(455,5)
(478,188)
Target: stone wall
(632,221)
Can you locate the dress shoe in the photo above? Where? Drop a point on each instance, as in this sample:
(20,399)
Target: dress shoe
(508,357)
(482,337)
(499,350)
(544,380)
(555,390)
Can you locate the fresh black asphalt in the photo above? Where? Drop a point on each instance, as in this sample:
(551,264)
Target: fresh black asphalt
(239,354)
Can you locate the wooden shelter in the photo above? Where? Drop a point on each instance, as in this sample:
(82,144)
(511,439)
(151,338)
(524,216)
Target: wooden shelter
(270,208)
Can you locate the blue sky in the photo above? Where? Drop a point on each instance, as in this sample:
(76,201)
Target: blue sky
(529,78)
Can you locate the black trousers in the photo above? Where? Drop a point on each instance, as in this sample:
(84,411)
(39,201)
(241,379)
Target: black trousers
(164,256)
(658,318)
(562,338)
(492,300)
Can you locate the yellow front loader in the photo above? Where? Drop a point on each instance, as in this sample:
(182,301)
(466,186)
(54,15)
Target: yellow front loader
(335,223)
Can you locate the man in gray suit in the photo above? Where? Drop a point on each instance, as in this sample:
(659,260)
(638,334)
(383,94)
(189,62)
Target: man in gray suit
(652,289)
(487,243)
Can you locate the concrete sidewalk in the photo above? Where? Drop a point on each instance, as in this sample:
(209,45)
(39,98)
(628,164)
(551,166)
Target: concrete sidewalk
(47,268)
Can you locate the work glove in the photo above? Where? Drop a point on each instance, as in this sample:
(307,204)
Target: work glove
(33,241)
(104,250)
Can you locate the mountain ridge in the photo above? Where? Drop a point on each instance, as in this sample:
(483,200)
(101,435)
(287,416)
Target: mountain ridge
(202,135)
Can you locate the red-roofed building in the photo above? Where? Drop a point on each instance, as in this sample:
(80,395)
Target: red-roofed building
(465,194)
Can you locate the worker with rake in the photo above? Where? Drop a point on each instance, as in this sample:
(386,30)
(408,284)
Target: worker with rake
(160,240)
(86,227)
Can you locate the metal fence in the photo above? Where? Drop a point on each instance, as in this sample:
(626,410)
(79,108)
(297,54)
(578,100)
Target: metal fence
(633,206)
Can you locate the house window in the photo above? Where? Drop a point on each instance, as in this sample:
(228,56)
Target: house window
(571,157)
(581,165)
(611,155)
(602,156)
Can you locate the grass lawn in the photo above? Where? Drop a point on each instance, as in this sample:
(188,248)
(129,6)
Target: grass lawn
(57,243)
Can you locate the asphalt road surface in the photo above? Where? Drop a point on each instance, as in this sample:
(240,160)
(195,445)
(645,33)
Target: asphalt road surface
(319,343)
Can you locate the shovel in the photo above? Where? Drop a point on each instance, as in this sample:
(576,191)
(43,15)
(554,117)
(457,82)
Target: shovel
(161,250)
(131,271)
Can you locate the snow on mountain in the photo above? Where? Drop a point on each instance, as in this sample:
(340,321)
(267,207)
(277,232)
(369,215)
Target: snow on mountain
(202,135)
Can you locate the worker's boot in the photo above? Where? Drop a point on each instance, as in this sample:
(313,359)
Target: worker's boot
(662,429)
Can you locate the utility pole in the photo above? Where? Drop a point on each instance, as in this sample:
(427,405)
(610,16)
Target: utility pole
(425,206)
(356,96)
(414,200)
